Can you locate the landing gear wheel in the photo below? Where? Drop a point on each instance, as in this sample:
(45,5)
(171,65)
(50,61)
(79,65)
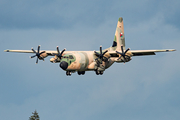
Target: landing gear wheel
(101,72)
(97,72)
(81,72)
(68,73)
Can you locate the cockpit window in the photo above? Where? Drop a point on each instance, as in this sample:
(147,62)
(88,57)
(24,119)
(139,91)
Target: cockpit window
(65,56)
(71,57)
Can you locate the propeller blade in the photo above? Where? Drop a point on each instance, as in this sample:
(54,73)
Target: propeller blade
(37,60)
(122,49)
(105,52)
(97,53)
(42,52)
(119,58)
(55,60)
(97,58)
(38,48)
(105,58)
(101,50)
(99,61)
(62,51)
(58,50)
(33,50)
(33,56)
(127,50)
(124,59)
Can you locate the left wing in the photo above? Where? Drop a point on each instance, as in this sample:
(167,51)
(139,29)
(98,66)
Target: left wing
(148,52)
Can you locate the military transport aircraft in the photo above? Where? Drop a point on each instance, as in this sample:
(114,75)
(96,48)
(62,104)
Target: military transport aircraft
(98,61)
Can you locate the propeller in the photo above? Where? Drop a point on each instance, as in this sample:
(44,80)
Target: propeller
(123,54)
(59,55)
(37,54)
(101,55)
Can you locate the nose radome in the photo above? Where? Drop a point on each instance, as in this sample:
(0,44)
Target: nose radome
(63,65)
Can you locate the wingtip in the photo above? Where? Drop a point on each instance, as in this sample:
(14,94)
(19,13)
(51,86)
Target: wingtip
(171,50)
(6,50)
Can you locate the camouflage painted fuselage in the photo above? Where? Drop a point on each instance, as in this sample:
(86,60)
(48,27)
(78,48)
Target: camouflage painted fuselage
(82,61)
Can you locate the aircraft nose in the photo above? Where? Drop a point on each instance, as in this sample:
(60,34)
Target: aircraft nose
(63,65)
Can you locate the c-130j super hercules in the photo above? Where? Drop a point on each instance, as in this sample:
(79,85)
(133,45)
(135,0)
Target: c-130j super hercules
(98,61)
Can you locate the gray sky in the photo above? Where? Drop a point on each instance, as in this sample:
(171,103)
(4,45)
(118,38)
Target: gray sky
(145,88)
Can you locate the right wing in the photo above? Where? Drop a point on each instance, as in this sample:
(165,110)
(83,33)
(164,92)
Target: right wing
(48,52)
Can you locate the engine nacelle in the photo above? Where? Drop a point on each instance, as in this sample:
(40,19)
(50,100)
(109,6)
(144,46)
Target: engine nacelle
(55,59)
(43,55)
(122,59)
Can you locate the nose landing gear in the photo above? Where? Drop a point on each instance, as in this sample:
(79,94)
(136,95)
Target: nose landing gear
(68,73)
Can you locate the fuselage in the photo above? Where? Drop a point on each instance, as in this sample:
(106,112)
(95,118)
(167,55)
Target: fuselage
(81,61)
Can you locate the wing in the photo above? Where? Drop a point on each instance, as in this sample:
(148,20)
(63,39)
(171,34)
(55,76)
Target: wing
(48,52)
(140,52)
(149,52)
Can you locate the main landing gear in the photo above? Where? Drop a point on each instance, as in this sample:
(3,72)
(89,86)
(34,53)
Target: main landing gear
(99,72)
(68,73)
(81,72)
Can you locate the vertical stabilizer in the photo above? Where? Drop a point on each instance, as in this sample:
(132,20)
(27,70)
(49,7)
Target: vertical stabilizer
(119,39)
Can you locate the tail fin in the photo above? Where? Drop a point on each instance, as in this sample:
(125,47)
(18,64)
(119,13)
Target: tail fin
(119,39)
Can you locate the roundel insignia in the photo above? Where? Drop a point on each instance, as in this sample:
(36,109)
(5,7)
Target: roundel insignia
(121,34)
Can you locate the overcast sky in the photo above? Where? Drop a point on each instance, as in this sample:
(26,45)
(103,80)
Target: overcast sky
(146,88)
